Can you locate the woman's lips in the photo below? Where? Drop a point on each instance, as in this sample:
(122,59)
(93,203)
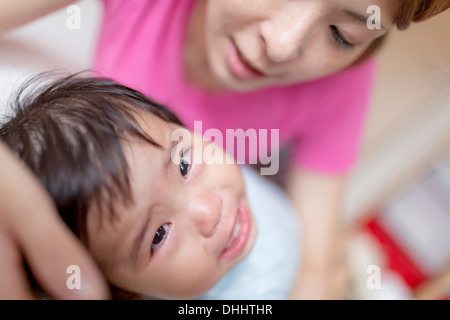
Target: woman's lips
(240,67)
(239,235)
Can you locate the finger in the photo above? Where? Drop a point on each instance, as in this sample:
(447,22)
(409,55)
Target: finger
(51,250)
(13,280)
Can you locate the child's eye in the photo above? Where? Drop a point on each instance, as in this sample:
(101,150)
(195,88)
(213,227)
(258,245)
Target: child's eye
(185,163)
(340,40)
(160,235)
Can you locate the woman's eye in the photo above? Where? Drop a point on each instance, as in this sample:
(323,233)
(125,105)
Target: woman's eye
(160,235)
(339,39)
(185,163)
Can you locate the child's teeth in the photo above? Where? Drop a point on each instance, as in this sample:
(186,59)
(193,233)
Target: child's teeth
(236,229)
(235,233)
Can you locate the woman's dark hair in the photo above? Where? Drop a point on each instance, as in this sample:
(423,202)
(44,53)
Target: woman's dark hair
(69,133)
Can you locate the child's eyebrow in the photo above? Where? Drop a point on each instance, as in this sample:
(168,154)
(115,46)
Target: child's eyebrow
(171,147)
(137,243)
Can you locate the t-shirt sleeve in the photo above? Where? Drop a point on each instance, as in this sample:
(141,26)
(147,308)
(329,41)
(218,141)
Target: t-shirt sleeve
(335,119)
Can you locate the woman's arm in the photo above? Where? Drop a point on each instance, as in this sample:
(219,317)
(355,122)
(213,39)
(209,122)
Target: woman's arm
(14,13)
(318,199)
(31,229)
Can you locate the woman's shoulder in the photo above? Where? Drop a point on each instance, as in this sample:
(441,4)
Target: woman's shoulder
(346,89)
(361,74)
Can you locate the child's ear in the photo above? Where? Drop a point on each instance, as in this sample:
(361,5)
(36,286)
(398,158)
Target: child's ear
(120,294)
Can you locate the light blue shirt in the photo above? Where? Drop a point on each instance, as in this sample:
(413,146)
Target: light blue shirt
(268,272)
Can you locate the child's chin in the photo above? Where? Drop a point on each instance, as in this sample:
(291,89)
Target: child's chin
(194,293)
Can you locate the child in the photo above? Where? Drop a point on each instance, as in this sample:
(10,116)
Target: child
(157,222)
(301,67)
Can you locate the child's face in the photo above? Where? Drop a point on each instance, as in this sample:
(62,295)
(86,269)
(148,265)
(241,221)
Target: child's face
(188,225)
(287,41)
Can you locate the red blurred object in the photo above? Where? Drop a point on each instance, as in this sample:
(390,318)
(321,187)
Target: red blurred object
(397,259)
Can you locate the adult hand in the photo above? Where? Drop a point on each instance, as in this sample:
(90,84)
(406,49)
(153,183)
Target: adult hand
(318,198)
(31,230)
(325,282)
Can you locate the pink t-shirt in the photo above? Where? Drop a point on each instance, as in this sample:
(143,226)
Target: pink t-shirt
(140,45)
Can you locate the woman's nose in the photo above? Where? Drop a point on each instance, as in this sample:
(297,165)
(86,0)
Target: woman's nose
(206,213)
(286,34)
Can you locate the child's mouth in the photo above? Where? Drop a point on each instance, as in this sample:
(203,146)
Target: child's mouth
(239,235)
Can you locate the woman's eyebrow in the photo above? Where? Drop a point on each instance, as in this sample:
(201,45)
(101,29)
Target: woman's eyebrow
(137,243)
(358,17)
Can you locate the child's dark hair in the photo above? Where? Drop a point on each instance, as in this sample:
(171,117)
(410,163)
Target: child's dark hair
(69,131)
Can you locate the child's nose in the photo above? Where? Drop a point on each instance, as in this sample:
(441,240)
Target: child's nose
(206,214)
(286,34)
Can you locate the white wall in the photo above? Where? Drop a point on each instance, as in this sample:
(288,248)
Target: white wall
(48,44)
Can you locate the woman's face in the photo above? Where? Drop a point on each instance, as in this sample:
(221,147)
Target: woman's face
(251,44)
(189,224)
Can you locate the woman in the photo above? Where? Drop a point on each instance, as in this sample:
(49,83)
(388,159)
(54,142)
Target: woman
(302,67)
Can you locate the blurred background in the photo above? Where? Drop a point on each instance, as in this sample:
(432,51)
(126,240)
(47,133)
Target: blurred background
(399,193)
(398,197)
